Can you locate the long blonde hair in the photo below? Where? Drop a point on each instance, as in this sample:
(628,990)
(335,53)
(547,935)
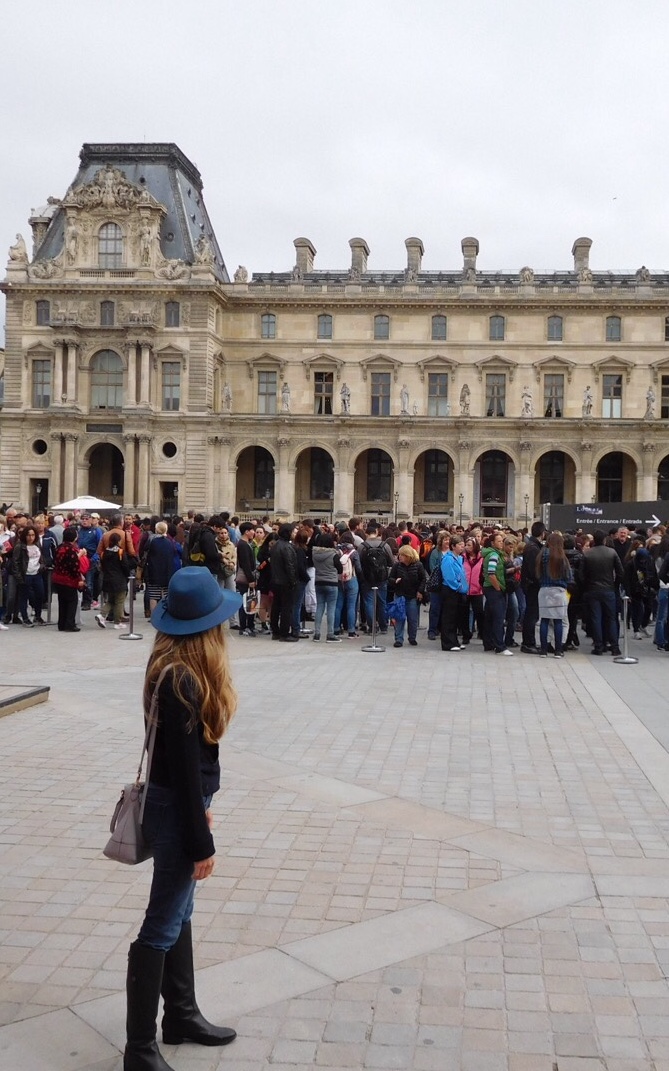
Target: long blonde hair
(200,664)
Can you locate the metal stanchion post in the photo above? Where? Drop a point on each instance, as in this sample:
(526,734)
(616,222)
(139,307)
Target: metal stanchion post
(373,647)
(131,634)
(625,659)
(49,596)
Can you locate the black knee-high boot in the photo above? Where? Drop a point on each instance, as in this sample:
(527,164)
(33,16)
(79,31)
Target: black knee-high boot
(183,1020)
(145,975)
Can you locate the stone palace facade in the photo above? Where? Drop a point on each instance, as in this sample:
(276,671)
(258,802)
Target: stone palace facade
(137,370)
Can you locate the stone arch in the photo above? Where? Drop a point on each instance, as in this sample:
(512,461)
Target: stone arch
(616,475)
(555,482)
(375,480)
(663,479)
(255,478)
(494,482)
(106,470)
(433,486)
(315,468)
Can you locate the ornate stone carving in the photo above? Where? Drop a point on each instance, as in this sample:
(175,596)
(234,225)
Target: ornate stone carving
(643,275)
(241,275)
(650,405)
(296,274)
(185,313)
(404,401)
(527,410)
(465,398)
(525,446)
(144,437)
(587,402)
(285,398)
(585,275)
(45,269)
(227,398)
(354,274)
(470,275)
(110,188)
(464,444)
(586,446)
(343,441)
(282,440)
(345,397)
(18,254)
(526,275)
(404,444)
(204,251)
(70,437)
(173,269)
(28,313)
(648,448)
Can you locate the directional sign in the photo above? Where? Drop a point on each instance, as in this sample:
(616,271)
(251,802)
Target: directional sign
(591,515)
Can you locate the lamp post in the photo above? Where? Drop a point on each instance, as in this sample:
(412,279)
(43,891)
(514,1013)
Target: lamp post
(331,497)
(527,515)
(396,496)
(267,495)
(461,499)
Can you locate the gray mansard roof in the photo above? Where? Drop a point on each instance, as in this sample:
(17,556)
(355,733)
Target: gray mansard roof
(170,177)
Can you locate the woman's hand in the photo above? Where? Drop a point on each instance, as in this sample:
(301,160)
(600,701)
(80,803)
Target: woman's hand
(203,869)
(210,818)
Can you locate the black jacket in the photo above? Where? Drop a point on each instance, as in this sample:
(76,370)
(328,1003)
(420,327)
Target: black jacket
(601,569)
(408,580)
(283,561)
(115,570)
(528,570)
(246,562)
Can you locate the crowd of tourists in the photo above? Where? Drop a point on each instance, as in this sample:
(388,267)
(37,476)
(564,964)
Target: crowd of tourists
(532,591)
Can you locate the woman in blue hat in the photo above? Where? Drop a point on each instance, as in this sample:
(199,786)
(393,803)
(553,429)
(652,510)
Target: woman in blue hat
(196,701)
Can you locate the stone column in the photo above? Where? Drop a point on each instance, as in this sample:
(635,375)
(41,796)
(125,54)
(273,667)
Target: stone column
(284,480)
(524,486)
(58,372)
(586,484)
(130,466)
(143,472)
(69,483)
(213,473)
(646,482)
(463,483)
(227,479)
(131,392)
(402,482)
(55,483)
(71,387)
(145,373)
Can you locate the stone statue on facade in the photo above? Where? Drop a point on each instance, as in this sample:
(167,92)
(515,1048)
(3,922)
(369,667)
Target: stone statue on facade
(643,275)
(145,238)
(18,254)
(465,398)
(204,252)
(71,241)
(650,404)
(241,275)
(470,275)
(285,398)
(585,275)
(296,274)
(404,400)
(345,396)
(526,275)
(527,407)
(587,402)
(414,409)
(227,398)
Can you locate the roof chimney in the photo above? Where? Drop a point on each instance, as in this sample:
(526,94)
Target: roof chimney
(470,251)
(304,254)
(415,250)
(359,254)
(581,253)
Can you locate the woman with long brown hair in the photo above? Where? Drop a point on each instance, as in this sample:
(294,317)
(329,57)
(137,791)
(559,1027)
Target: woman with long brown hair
(554,575)
(196,701)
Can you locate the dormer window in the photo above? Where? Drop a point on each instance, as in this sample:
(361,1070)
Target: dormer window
(110,246)
(106,314)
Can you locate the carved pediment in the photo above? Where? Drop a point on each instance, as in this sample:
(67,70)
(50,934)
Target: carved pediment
(380,362)
(437,364)
(496,363)
(613,364)
(322,362)
(110,189)
(659,368)
(266,362)
(554,363)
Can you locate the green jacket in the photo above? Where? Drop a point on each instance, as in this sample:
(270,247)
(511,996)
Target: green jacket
(487,553)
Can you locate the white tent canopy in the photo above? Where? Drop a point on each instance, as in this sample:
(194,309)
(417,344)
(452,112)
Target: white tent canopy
(87,502)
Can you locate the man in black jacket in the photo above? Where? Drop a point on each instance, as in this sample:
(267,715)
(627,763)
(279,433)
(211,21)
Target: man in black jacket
(246,567)
(601,574)
(283,563)
(530,585)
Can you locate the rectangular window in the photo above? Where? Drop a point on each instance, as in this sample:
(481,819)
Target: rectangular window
(664,398)
(380,393)
(267,392)
(325,325)
(41,384)
(437,394)
(613,329)
(496,329)
(268,325)
(554,333)
(612,396)
(43,313)
(553,398)
(171,385)
(439,328)
(381,327)
(106,314)
(435,483)
(323,388)
(495,394)
(379,476)
(172,314)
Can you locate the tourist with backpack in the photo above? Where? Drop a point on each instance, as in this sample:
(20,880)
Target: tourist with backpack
(349,584)
(376,561)
(407,578)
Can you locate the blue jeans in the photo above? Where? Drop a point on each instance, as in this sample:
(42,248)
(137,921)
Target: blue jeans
(31,591)
(411,621)
(299,590)
(172,888)
(557,632)
(660,637)
(326,601)
(511,617)
(381,615)
(347,596)
(602,618)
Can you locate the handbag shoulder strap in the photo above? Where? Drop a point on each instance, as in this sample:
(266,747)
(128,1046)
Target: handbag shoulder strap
(151,726)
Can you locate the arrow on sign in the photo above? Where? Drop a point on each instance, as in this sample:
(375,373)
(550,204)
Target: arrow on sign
(654,521)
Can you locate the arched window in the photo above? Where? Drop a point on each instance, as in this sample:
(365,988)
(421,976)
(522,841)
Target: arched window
(496,329)
(325,325)
(110,246)
(106,314)
(663,480)
(268,325)
(554,333)
(106,380)
(438,328)
(613,329)
(381,327)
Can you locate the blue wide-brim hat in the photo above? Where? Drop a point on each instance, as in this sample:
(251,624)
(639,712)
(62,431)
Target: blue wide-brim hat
(194,603)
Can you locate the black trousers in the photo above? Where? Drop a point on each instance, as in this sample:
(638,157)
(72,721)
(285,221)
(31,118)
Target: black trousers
(281,615)
(67,607)
(531,616)
(451,602)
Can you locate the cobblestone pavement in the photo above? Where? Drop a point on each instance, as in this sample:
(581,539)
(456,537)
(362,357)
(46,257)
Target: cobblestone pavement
(425,860)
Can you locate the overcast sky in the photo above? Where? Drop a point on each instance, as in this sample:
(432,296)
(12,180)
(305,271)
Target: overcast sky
(525,124)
